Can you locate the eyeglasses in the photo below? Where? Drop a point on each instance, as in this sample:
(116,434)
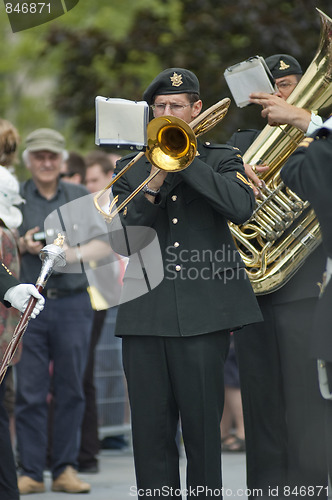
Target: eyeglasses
(284,85)
(173,107)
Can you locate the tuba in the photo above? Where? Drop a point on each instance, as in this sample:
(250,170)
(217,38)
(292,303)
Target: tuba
(283,230)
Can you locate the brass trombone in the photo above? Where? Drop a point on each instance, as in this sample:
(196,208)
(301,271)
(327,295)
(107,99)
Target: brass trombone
(172,146)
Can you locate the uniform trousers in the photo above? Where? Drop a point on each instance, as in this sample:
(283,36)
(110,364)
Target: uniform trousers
(283,410)
(328,426)
(8,479)
(89,437)
(172,378)
(61,332)
(322,346)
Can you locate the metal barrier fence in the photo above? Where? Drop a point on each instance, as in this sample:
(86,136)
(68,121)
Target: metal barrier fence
(111,391)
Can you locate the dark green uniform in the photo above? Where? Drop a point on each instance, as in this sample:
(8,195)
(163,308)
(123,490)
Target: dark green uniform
(282,406)
(8,481)
(7,280)
(176,336)
(309,173)
(203,271)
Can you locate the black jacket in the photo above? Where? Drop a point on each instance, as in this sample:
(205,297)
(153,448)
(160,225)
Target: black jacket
(308,172)
(205,287)
(7,280)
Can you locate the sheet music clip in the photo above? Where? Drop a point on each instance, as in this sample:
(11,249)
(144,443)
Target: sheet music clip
(121,123)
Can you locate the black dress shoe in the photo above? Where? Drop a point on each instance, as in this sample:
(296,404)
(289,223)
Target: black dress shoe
(113,443)
(88,468)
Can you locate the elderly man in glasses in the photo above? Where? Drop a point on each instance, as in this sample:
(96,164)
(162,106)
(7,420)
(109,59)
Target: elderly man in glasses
(62,332)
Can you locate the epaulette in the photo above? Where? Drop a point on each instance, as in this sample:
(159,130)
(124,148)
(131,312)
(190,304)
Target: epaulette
(242,130)
(129,156)
(223,146)
(213,145)
(322,133)
(306,142)
(123,161)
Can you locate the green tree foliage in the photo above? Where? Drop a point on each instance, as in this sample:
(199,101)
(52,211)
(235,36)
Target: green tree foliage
(231,31)
(206,36)
(50,75)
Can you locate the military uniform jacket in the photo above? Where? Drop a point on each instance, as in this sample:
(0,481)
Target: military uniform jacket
(7,280)
(205,287)
(308,172)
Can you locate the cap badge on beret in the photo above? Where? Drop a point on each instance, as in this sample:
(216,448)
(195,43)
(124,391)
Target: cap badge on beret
(176,80)
(283,65)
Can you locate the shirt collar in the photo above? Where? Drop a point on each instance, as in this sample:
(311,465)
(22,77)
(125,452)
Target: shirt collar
(58,191)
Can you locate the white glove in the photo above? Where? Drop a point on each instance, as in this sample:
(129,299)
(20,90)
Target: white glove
(19,297)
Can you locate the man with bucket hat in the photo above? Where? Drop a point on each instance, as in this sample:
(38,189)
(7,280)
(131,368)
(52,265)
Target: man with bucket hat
(60,334)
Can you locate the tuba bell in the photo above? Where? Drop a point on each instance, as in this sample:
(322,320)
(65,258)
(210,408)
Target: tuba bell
(283,230)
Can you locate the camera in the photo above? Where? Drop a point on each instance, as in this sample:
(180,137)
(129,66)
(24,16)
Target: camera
(40,236)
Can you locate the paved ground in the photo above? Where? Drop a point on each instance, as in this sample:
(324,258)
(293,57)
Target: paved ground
(116,478)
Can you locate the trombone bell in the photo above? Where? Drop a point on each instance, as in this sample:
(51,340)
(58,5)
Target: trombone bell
(171,144)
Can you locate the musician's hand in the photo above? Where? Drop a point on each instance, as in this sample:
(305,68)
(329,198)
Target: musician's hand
(255,181)
(280,112)
(29,245)
(275,109)
(156,183)
(19,296)
(158,180)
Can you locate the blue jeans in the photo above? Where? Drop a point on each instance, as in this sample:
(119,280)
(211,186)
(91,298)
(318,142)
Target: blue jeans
(60,333)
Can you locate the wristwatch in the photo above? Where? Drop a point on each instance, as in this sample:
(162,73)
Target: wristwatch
(149,191)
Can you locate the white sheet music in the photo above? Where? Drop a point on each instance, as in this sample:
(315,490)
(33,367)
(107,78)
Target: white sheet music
(246,77)
(120,122)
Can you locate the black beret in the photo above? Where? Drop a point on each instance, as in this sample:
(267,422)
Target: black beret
(172,81)
(283,65)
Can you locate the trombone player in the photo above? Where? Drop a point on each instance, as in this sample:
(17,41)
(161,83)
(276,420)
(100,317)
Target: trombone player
(176,336)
